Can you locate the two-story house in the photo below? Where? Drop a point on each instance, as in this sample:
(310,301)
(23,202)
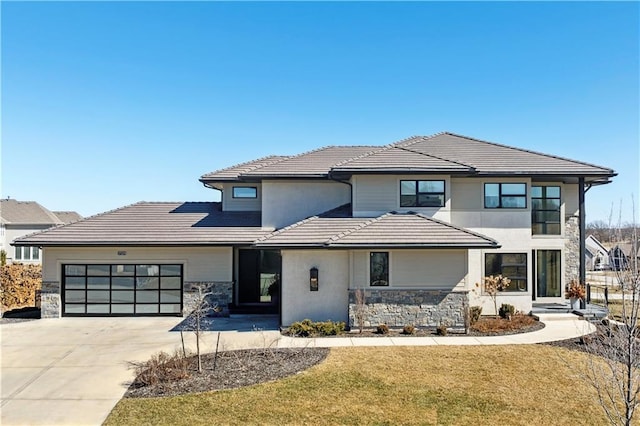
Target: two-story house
(414,226)
(19,218)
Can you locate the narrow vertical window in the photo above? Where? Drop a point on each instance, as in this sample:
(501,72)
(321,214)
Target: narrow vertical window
(379,268)
(545,210)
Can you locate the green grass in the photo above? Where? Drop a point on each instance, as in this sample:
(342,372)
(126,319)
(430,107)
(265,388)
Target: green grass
(448,385)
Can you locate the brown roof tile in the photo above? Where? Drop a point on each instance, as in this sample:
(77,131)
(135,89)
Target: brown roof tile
(389,230)
(156,224)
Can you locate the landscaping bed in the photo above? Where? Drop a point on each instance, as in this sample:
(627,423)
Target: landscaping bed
(235,369)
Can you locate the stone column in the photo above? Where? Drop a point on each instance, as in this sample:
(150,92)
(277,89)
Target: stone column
(50,301)
(219,296)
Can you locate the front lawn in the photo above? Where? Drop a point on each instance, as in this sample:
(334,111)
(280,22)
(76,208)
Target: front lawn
(461,385)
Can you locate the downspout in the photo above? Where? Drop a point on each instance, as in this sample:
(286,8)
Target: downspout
(346,182)
(581,226)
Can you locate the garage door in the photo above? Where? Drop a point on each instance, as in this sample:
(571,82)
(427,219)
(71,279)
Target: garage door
(121,290)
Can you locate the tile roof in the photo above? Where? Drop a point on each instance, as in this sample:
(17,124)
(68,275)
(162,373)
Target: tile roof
(440,153)
(316,163)
(16,212)
(144,223)
(389,230)
(68,217)
(492,158)
(234,172)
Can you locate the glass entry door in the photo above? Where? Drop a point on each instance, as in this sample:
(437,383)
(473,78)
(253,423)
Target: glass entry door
(548,270)
(258,276)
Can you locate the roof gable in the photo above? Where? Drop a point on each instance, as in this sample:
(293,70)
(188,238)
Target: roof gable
(407,230)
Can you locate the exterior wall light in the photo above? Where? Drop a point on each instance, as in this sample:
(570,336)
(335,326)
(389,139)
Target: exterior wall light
(313,279)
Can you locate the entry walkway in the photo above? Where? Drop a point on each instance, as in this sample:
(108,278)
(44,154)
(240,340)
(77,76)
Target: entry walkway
(72,371)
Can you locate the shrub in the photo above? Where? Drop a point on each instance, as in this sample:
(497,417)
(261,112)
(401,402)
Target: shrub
(308,328)
(408,329)
(506,310)
(442,330)
(474,314)
(382,329)
(161,368)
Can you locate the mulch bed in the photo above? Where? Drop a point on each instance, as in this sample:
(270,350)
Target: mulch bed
(235,369)
(240,368)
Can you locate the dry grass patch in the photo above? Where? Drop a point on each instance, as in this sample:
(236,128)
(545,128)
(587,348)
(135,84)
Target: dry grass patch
(461,385)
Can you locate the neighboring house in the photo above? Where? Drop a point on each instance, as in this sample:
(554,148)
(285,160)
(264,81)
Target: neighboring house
(415,225)
(19,218)
(597,254)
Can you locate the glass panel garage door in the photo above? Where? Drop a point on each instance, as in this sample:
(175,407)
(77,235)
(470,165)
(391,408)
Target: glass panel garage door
(125,290)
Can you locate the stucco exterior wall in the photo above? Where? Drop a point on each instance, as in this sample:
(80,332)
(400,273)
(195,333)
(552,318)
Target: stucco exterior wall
(241,204)
(206,264)
(331,301)
(286,202)
(374,195)
(425,269)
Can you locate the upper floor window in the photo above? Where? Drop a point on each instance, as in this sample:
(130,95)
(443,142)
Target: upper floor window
(505,195)
(421,193)
(545,210)
(379,268)
(245,192)
(510,265)
(27,253)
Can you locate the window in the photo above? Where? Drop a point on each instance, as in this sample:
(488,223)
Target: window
(27,253)
(379,268)
(245,192)
(510,265)
(505,195)
(545,210)
(421,193)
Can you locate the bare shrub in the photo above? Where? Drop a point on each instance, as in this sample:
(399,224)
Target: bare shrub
(360,308)
(161,368)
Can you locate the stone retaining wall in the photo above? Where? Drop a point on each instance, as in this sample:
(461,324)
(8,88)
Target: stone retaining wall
(421,308)
(220,295)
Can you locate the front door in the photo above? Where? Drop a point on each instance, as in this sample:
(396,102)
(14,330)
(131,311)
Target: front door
(548,278)
(258,277)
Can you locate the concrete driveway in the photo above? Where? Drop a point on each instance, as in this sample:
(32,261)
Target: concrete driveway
(74,370)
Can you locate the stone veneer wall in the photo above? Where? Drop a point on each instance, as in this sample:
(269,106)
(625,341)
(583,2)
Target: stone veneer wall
(572,249)
(49,300)
(220,296)
(421,308)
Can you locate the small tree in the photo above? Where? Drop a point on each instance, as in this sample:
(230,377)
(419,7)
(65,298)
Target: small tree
(615,370)
(494,284)
(201,310)
(359,309)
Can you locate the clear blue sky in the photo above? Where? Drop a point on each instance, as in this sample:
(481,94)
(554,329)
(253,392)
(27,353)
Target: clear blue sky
(105,104)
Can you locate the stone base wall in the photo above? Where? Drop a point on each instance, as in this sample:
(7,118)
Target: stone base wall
(49,300)
(219,296)
(572,249)
(421,308)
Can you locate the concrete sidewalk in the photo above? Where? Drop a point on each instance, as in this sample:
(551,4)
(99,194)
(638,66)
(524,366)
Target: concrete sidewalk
(74,370)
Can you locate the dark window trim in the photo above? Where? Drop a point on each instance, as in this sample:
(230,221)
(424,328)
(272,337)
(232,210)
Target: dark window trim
(502,265)
(418,193)
(371,281)
(500,195)
(534,210)
(233,192)
(110,276)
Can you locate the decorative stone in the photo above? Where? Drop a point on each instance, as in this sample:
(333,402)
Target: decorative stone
(220,295)
(421,308)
